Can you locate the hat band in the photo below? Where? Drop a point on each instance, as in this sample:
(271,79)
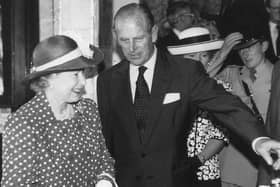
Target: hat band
(191,40)
(61,60)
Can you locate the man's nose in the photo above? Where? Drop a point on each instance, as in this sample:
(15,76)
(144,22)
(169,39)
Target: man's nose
(132,46)
(245,53)
(82,79)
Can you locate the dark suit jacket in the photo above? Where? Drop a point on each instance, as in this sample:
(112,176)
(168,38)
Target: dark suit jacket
(159,161)
(272,121)
(270,54)
(169,39)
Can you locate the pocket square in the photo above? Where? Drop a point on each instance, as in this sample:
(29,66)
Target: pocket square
(171,97)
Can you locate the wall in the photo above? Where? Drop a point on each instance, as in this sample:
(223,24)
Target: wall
(119,3)
(70,16)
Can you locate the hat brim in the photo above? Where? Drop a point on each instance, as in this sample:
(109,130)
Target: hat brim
(196,47)
(243,45)
(75,64)
(79,63)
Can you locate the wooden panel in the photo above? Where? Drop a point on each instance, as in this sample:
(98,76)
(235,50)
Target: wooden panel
(20,34)
(105,32)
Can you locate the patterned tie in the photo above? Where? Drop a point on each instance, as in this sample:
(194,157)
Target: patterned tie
(140,102)
(278,41)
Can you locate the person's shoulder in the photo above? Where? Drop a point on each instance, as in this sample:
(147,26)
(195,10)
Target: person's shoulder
(277,65)
(117,67)
(183,64)
(26,109)
(176,59)
(22,118)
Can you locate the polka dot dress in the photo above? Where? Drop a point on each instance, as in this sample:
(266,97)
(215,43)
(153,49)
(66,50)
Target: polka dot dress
(202,131)
(42,151)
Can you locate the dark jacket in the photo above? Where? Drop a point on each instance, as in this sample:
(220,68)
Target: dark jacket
(161,159)
(272,122)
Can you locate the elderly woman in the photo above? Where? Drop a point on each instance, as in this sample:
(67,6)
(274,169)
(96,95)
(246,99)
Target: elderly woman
(55,139)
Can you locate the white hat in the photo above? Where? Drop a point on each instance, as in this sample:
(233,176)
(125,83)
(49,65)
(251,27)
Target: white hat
(192,40)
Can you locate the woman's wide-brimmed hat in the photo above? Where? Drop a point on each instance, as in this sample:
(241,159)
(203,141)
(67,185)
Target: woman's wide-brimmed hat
(192,40)
(60,53)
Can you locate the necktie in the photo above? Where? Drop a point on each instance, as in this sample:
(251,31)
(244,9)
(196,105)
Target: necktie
(253,73)
(278,41)
(140,102)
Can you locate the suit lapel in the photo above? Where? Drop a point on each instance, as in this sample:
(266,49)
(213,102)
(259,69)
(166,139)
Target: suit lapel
(122,99)
(161,81)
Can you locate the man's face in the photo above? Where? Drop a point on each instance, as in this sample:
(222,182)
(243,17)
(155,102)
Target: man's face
(252,56)
(182,19)
(135,40)
(274,11)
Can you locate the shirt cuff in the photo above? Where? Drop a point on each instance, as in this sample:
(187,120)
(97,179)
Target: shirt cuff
(106,176)
(256,140)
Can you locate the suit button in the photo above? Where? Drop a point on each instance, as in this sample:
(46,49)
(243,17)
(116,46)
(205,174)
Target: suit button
(143,155)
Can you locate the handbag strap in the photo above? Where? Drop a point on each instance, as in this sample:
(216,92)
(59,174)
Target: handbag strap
(254,106)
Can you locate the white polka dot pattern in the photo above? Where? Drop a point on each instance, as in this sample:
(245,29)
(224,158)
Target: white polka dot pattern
(42,151)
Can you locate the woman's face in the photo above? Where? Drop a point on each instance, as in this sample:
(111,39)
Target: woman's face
(67,86)
(204,57)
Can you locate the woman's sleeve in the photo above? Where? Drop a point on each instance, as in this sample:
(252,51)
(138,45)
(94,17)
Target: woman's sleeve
(105,161)
(216,132)
(18,154)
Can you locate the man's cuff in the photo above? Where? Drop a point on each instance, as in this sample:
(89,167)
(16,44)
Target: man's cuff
(104,183)
(255,142)
(108,177)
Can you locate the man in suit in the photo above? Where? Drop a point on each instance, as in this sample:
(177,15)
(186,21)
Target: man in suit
(146,104)
(266,173)
(272,29)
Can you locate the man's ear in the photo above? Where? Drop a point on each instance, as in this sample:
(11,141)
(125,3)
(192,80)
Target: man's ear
(267,9)
(265,45)
(154,33)
(114,34)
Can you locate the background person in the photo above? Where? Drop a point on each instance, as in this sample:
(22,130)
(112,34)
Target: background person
(206,138)
(55,139)
(182,15)
(251,82)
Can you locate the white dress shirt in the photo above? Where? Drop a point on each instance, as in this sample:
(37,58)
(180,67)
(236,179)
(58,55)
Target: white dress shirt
(148,74)
(274,34)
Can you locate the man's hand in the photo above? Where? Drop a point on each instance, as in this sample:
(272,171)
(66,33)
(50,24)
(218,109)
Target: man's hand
(266,147)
